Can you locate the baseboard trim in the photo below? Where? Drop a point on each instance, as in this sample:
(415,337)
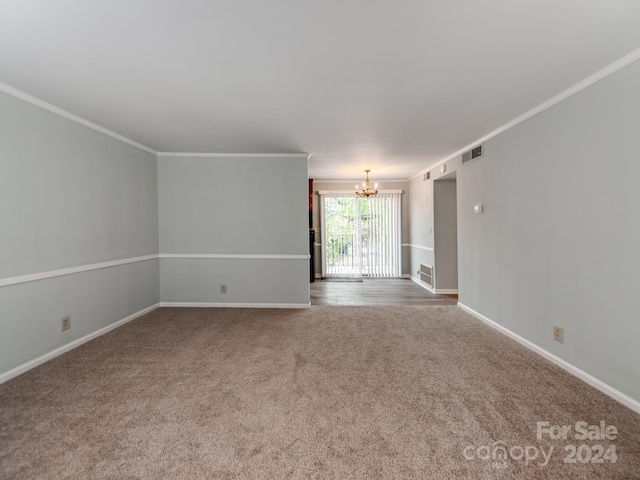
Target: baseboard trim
(71,345)
(446,291)
(234,305)
(421,283)
(624,399)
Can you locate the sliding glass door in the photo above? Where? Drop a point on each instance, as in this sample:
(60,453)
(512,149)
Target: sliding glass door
(361,235)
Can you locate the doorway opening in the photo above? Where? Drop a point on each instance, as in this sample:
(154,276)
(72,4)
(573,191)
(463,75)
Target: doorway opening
(360,236)
(445,227)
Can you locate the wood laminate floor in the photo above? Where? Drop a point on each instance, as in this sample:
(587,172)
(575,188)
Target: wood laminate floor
(376,291)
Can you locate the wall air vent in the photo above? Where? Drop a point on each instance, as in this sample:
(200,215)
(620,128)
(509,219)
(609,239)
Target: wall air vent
(426,176)
(426,274)
(473,153)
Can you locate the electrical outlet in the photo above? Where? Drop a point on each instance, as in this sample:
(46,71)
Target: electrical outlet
(66,323)
(223,289)
(558,334)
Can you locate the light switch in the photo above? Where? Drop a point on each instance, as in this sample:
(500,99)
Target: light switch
(477,208)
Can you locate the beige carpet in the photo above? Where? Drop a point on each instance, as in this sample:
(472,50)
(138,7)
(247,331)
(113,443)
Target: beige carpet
(328,392)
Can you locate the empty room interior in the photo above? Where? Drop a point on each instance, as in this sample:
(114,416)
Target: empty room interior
(319,239)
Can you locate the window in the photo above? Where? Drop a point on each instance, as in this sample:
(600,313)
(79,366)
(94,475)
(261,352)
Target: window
(361,235)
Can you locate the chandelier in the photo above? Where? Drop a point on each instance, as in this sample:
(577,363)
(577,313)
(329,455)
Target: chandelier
(366,188)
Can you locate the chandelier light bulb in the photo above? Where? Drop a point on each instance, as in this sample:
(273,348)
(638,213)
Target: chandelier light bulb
(366,188)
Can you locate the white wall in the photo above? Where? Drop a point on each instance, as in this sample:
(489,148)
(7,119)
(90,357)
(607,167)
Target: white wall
(557,243)
(559,240)
(70,197)
(237,207)
(420,236)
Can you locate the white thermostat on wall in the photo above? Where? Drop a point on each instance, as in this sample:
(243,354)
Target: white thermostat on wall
(477,208)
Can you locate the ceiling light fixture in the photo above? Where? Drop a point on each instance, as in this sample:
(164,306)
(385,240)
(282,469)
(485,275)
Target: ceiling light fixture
(366,188)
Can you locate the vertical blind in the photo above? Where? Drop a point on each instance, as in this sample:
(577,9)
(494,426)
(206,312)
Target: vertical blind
(361,235)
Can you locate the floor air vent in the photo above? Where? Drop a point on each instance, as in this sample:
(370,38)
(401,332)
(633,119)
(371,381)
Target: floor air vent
(473,153)
(426,274)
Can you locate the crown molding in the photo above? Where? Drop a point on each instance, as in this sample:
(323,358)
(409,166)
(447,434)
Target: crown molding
(599,75)
(234,155)
(70,116)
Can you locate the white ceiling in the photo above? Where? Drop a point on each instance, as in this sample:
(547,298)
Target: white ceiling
(393,86)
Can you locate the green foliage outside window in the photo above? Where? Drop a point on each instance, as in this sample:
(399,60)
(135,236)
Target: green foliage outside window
(346,219)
